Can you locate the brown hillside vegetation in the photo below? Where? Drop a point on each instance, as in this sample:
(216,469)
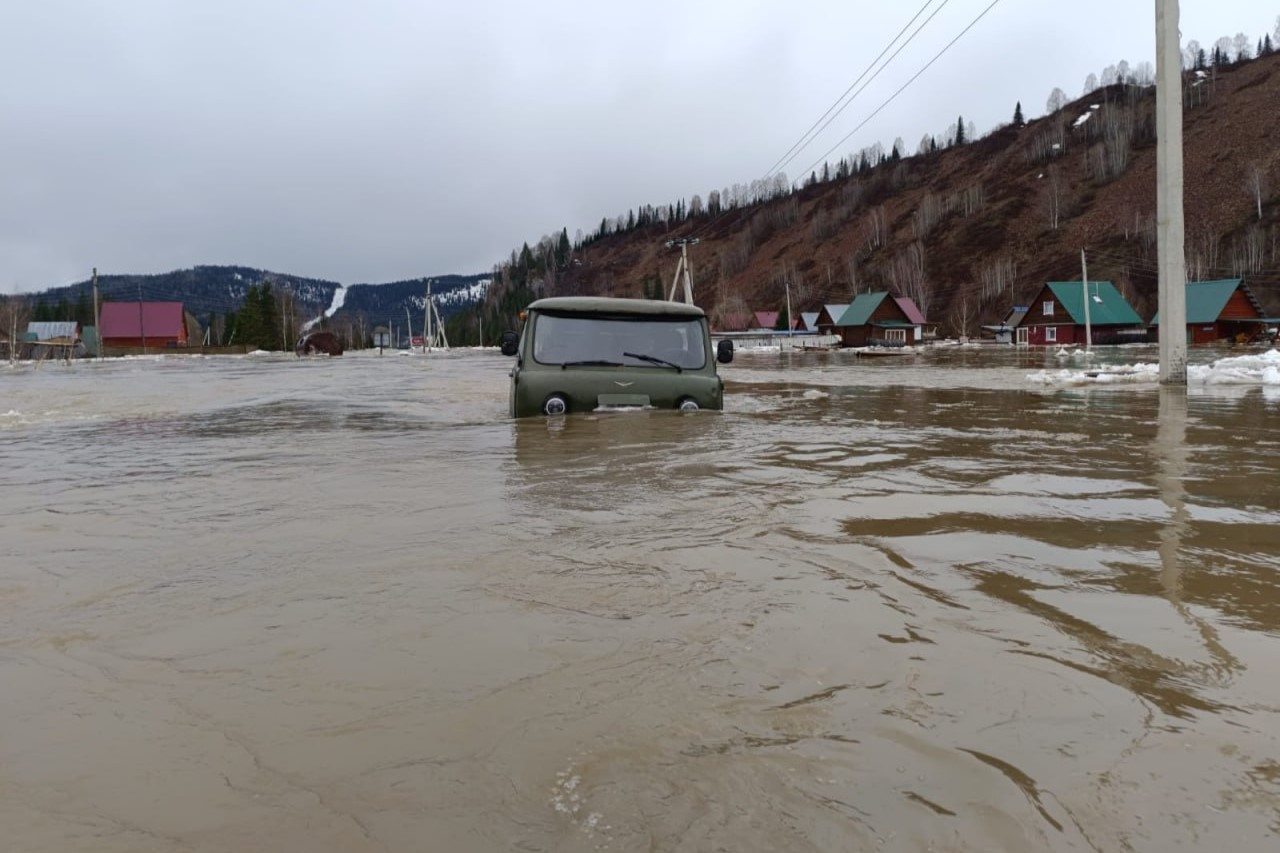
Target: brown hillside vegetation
(975,228)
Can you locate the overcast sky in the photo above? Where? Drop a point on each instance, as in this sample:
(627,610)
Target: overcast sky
(388,139)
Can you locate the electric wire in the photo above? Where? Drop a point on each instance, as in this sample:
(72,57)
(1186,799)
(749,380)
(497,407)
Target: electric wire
(903,87)
(809,135)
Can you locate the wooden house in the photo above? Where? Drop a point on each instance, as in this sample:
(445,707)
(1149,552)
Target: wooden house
(880,319)
(827,317)
(764,320)
(136,324)
(1222,310)
(1057,316)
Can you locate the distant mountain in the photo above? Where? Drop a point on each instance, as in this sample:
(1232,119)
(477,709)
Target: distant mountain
(381,302)
(218,290)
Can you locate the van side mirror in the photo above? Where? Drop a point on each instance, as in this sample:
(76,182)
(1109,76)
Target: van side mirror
(724,352)
(510,342)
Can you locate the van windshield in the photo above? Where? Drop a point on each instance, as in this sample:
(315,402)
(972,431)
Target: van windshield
(595,338)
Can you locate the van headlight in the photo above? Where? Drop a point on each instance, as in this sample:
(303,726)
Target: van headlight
(555,405)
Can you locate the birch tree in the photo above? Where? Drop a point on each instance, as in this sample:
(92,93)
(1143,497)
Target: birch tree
(1241,45)
(1223,48)
(1256,185)
(1190,55)
(1053,193)
(1057,100)
(14,313)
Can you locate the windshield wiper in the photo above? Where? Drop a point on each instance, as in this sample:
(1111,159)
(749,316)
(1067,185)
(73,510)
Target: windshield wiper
(653,359)
(590,363)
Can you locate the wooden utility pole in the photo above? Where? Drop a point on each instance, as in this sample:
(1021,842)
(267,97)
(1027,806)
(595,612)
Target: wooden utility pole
(1169,193)
(97,317)
(429,342)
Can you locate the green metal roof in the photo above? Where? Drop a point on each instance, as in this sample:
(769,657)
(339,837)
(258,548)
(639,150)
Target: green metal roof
(1111,310)
(893,324)
(1206,299)
(611,305)
(861,309)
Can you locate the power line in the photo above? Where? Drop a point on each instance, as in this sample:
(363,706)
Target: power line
(805,138)
(739,212)
(903,87)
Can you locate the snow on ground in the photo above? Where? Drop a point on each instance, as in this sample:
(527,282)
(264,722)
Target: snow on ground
(1260,369)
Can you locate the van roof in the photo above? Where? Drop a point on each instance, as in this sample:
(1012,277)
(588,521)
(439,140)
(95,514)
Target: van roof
(610,305)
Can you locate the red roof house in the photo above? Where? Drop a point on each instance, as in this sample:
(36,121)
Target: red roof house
(134,324)
(764,320)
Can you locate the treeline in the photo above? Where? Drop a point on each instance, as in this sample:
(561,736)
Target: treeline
(266,319)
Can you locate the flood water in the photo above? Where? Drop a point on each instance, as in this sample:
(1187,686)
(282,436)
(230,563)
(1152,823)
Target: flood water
(916,603)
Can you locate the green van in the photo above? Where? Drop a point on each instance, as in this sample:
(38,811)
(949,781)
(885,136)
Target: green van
(583,354)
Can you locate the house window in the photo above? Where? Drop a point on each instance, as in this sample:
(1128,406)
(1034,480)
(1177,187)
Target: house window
(1050,332)
(896,335)
(1048,308)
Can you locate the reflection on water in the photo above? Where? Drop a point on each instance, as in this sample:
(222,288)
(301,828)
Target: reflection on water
(347,605)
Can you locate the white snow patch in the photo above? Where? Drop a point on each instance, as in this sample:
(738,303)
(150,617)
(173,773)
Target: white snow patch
(1262,369)
(339,297)
(1083,119)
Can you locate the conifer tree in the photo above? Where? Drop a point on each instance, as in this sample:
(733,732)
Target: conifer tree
(562,249)
(960,140)
(1018,121)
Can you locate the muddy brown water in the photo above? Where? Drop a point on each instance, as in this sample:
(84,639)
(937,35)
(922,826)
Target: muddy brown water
(918,604)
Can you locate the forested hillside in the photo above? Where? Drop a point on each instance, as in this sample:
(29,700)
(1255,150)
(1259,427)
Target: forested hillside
(966,226)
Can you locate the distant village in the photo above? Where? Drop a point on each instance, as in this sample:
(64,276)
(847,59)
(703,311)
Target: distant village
(1063,313)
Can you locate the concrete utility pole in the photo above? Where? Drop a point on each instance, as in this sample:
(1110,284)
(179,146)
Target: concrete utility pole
(682,267)
(1084,276)
(1169,192)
